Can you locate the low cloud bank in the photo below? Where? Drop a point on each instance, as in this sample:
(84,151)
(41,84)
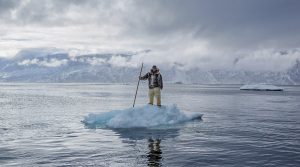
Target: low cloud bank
(47,63)
(200,58)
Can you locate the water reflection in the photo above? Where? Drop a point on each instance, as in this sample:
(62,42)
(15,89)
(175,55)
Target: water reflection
(154,137)
(155,153)
(146,133)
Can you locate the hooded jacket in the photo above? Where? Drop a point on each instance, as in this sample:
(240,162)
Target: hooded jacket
(154,79)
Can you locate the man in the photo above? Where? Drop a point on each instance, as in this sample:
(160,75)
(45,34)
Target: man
(155,84)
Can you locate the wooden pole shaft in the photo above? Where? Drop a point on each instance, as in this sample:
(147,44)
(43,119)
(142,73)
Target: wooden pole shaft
(137,87)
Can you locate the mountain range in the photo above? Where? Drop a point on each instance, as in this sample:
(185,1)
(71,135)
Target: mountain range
(42,66)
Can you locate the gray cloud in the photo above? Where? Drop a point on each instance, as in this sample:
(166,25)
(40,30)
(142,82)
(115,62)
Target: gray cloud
(231,22)
(6,5)
(201,33)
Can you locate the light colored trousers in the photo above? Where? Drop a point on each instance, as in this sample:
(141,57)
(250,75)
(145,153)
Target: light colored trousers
(154,92)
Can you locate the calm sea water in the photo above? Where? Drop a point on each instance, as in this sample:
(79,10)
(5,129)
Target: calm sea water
(40,125)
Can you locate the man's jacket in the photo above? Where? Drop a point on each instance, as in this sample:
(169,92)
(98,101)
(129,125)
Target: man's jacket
(154,80)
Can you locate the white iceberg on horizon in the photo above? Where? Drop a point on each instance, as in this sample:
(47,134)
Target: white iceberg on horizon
(261,87)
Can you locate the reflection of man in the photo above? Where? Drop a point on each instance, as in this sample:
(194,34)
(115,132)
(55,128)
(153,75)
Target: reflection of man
(155,84)
(154,155)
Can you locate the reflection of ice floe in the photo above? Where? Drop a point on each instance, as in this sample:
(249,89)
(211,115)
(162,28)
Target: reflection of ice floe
(263,87)
(145,116)
(146,133)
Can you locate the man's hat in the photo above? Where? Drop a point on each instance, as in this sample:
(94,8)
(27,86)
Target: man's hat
(154,69)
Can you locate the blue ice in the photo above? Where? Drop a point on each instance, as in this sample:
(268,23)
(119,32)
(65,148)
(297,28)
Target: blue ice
(144,116)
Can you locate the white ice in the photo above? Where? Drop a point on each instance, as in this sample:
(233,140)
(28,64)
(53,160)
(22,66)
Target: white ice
(265,87)
(145,116)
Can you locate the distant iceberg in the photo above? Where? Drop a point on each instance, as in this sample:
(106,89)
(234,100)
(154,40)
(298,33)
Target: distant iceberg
(261,87)
(139,117)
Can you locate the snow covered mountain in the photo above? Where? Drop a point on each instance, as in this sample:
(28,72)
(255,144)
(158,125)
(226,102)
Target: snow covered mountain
(294,72)
(60,67)
(40,66)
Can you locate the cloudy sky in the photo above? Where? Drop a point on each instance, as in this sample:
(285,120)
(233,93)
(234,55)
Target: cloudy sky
(208,34)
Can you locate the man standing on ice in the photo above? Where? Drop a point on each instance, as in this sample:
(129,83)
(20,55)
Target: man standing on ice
(155,84)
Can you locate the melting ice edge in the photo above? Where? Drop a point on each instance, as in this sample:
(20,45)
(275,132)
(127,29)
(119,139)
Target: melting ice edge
(139,117)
